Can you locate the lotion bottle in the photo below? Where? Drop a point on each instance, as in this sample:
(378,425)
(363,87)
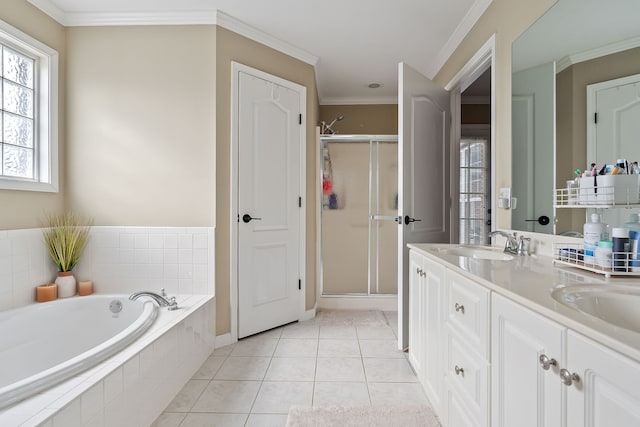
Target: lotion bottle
(594,231)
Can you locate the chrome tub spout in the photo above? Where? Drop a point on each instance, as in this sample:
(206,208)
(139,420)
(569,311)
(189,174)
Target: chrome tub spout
(162,301)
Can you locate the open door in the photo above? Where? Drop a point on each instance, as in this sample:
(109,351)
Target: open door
(423,175)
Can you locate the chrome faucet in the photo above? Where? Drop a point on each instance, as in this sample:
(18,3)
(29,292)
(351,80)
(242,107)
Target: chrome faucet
(162,301)
(523,249)
(511,245)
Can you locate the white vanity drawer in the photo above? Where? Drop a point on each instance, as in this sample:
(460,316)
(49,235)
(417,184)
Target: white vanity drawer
(467,376)
(467,311)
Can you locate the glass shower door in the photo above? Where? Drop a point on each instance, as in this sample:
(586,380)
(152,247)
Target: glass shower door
(359,232)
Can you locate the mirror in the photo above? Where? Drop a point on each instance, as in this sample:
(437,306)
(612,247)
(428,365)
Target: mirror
(576,43)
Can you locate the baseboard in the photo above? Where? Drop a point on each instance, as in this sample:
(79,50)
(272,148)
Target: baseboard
(382,302)
(308,315)
(222,340)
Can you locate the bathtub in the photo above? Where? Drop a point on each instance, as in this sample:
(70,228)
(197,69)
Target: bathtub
(44,344)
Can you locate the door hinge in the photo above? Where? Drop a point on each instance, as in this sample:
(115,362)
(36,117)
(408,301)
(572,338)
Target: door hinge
(300,284)
(299,202)
(300,119)
(595,118)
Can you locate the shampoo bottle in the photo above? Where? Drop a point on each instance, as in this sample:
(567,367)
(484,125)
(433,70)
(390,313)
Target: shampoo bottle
(633,224)
(594,231)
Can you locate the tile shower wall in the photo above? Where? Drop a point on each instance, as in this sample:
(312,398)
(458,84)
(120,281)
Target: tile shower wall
(117,259)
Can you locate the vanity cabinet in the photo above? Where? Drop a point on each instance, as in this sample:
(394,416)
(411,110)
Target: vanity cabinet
(426,281)
(466,369)
(524,391)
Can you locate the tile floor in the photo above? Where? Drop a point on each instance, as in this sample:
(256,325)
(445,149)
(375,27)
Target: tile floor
(338,358)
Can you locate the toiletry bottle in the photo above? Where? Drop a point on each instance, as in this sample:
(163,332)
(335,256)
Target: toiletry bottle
(604,253)
(633,224)
(620,249)
(634,242)
(594,231)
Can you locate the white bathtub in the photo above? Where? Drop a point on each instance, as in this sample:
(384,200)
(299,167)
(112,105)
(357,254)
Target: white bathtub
(44,344)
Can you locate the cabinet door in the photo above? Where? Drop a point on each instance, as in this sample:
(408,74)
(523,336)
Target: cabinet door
(433,339)
(607,391)
(416,312)
(523,393)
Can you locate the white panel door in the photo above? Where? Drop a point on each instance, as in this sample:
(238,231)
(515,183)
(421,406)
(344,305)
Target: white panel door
(269,188)
(423,174)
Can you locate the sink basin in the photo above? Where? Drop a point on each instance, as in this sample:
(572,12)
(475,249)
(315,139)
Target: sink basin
(475,252)
(614,304)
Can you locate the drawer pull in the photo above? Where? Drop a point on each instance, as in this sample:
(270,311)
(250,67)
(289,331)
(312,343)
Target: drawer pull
(419,271)
(568,378)
(459,308)
(546,363)
(459,370)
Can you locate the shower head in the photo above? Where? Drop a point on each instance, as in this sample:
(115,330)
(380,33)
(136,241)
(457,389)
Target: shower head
(326,128)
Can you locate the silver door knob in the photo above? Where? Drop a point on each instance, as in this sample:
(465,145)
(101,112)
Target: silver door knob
(568,378)
(459,308)
(459,370)
(546,363)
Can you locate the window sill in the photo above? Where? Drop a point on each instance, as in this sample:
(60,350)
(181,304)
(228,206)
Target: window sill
(44,187)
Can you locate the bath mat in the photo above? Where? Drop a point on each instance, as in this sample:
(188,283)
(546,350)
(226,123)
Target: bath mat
(362,416)
(351,317)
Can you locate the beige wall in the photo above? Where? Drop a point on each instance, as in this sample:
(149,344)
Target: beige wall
(571,117)
(24,209)
(380,119)
(507,19)
(233,47)
(141,125)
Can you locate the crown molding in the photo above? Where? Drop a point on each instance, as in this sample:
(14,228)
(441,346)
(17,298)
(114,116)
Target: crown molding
(359,100)
(461,31)
(193,17)
(588,55)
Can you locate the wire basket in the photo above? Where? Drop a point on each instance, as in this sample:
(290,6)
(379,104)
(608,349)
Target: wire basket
(620,263)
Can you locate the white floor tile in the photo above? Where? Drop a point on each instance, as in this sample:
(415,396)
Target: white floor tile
(337,332)
(255,346)
(397,393)
(235,397)
(243,368)
(340,369)
(297,348)
(340,394)
(375,333)
(388,370)
(266,420)
(338,348)
(291,369)
(218,420)
(209,368)
(381,349)
(224,351)
(301,330)
(278,397)
(187,396)
(169,419)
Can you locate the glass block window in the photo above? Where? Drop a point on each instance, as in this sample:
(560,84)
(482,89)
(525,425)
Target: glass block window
(474,190)
(28,112)
(17,140)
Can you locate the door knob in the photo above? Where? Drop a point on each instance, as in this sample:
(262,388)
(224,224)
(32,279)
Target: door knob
(247,218)
(408,219)
(542,220)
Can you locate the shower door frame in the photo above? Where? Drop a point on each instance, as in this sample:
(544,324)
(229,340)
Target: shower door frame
(368,139)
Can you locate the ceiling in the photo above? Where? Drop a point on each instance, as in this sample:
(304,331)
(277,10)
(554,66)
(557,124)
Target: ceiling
(351,43)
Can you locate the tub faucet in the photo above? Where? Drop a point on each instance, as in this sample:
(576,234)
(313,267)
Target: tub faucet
(162,301)
(511,245)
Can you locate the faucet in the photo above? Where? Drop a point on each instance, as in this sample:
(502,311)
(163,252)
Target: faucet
(511,245)
(162,301)
(523,250)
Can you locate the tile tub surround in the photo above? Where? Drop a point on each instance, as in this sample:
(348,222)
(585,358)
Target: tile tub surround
(117,259)
(255,381)
(134,386)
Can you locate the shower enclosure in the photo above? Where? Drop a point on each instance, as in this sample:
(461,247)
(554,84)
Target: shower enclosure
(359,211)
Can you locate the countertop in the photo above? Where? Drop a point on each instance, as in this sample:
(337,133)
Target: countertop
(529,280)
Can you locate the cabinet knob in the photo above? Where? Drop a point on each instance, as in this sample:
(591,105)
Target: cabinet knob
(546,363)
(459,370)
(419,271)
(459,308)
(568,378)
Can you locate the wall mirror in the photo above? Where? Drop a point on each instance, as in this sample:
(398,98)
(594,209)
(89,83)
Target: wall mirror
(576,43)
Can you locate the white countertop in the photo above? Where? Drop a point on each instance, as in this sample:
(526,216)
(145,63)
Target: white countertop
(528,280)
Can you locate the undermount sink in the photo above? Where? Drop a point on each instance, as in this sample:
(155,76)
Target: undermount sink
(475,252)
(614,304)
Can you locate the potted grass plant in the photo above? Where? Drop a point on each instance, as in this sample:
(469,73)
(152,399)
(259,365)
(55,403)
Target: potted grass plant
(65,236)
